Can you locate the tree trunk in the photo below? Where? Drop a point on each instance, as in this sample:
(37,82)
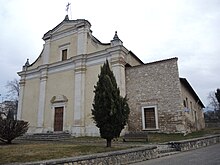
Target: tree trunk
(109,142)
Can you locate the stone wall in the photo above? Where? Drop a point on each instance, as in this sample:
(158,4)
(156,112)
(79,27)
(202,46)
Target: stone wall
(155,84)
(193,110)
(116,157)
(185,145)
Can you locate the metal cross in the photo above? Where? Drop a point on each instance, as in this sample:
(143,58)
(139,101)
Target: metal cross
(67,6)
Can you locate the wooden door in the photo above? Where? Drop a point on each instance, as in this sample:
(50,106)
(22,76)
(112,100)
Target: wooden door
(58,119)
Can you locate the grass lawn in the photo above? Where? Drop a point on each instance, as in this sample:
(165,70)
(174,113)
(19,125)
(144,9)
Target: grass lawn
(161,137)
(26,151)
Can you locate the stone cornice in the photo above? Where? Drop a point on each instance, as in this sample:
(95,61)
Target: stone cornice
(80,69)
(76,62)
(118,61)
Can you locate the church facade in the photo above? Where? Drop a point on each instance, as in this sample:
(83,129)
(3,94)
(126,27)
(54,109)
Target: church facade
(56,91)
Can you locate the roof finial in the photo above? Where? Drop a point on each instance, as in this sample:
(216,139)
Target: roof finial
(68,7)
(115,36)
(66,18)
(27,63)
(116,40)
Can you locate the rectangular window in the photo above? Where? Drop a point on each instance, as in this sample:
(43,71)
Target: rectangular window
(149,117)
(64,54)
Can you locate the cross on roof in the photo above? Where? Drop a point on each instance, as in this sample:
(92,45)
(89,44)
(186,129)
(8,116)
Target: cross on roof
(67,7)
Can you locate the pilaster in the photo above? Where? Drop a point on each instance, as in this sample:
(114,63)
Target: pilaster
(82,41)
(118,68)
(78,128)
(118,63)
(21,97)
(42,94)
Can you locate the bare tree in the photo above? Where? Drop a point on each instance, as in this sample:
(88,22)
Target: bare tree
(213,114)
(10,127)
(213,102)
(11,105)
(13,89)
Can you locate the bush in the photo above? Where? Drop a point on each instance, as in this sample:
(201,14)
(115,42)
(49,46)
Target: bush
(11,129)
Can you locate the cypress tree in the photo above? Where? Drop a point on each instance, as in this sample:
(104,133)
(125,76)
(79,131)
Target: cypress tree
(110,110)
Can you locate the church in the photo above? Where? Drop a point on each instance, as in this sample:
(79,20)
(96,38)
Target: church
(56,90)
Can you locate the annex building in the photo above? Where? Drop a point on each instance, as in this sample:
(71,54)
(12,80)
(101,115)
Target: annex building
(56,91)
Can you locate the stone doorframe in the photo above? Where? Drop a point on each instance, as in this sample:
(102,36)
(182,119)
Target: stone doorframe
(56,102)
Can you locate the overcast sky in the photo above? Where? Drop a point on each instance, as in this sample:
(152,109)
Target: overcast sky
(152,29)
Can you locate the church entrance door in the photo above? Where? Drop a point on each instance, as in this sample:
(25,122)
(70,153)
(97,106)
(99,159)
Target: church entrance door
(58,119)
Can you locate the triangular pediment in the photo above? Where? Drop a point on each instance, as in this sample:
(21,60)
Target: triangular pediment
(64,27)
(67,25)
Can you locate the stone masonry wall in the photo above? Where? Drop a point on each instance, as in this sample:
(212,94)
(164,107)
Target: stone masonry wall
(117,157)
(155,84)
(191,144)
(194,112)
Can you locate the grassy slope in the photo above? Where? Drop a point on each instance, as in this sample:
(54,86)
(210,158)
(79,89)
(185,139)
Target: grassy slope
(25,152)
(160,138)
